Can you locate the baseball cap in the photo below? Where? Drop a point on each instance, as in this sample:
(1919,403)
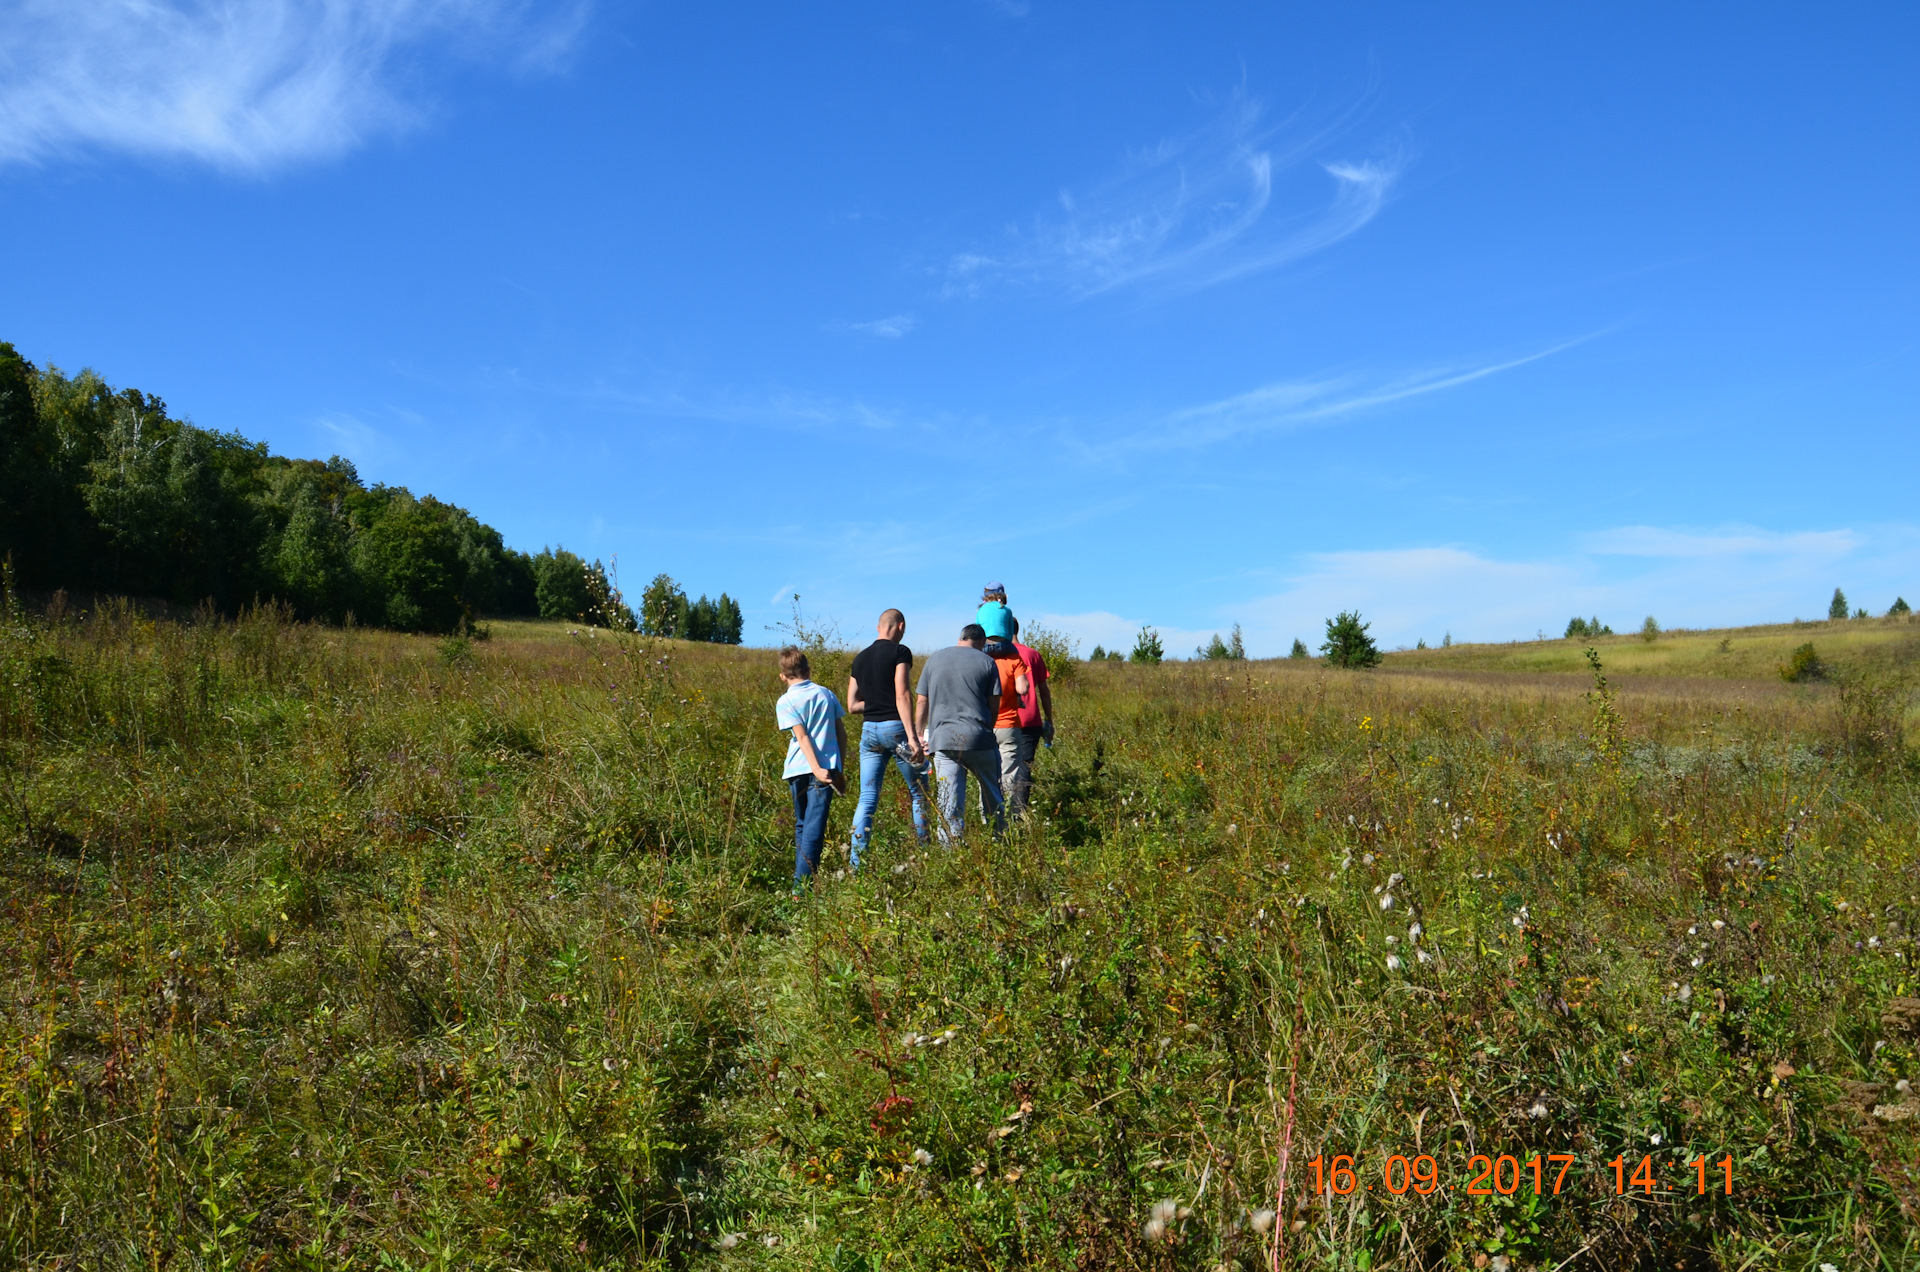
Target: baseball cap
(993,587)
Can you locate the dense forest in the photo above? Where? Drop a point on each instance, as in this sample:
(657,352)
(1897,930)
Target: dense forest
(103,492)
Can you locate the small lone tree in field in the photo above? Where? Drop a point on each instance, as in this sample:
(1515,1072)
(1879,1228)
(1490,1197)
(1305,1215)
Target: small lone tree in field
(1899,608)
(1236,647)
(1347,644)
(1837,609)
(1650,630)
(1802,665)
(1147,648)
(1299,649)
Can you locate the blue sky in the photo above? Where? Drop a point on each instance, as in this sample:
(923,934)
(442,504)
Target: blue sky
(1182,315)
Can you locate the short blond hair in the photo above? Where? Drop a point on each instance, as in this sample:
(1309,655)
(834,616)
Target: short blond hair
(793,664)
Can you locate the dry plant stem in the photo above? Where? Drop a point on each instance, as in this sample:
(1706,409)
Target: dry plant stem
(1293,1085)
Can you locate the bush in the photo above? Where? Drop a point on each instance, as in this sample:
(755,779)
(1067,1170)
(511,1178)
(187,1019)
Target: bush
(1147,648)
(1347,644)
(1060,650)
(1650,630)
(1802,665)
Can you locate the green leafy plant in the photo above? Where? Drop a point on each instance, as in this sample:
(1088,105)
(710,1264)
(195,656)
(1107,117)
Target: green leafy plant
(1837,608)
(1299,650)
(1802,665)
(1147,648)
(1650,630)
(1348,644)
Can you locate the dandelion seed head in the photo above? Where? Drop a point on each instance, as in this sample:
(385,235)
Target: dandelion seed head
(1686,993)
(1154,1229)
(728,1241)
(922,1157)
(1260,1220)
(1164,1210)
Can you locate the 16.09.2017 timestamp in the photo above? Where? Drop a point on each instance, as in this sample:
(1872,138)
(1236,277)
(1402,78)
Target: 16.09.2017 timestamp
(1506,1175)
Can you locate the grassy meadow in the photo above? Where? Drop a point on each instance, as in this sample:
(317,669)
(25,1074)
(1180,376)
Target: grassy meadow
(346,949)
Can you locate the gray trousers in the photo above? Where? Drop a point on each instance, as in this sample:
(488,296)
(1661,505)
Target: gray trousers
(1016,766)
(950,768)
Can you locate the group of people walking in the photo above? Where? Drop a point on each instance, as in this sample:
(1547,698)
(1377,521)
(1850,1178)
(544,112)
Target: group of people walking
(981,709)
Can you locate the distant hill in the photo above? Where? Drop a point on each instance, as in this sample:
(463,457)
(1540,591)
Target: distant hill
(1734,653)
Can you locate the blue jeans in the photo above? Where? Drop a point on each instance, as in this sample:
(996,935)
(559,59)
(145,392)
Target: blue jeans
(879,740)
(812,798)
(952,767)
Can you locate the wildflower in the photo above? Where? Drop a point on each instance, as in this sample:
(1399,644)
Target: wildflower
(770,1241)
(1392,939)
(1396,877)
(901,868)
(1842,905)
(1694,930)
(1260,1220)
(1767,979)
(1654,1139)
(1154,1230)
(1904,1087)
(1698,961)
(1378,888)
(1393,962)
(1423,956)
(607,1063)
(1539,1110)
(1164,1210)
(728,1241)
(1686,993)
(1414,931)
(1367,859)
(922,1157)
(1232,829)
(1828,1267)
(1386,902)
(1873,942)
(1718,924)
(1500,1263)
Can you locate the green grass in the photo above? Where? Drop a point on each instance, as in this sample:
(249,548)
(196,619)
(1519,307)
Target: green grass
(348,949)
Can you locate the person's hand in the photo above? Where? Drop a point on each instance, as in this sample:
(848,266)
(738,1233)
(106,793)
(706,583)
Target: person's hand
(1046,731)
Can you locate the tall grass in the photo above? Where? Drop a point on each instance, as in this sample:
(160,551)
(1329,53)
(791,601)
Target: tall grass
(344,949)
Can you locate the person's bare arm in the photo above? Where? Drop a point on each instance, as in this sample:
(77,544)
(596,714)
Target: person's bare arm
(903,703)
(920,718)
(809,754)
(1046,701)
(854,701)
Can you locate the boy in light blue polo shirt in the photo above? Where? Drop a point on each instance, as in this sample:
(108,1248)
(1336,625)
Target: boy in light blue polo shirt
(814,769)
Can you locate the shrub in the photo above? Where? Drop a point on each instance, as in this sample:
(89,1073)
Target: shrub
(1837,608)
(1147,647)
(1650,630)
(1060,650)
(1347,643)
(1803,664)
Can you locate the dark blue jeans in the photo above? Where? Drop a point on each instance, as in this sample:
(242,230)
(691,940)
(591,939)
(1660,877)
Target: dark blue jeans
(812,798)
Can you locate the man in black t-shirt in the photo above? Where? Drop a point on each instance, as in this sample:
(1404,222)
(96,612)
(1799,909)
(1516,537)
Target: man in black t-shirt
(878,690)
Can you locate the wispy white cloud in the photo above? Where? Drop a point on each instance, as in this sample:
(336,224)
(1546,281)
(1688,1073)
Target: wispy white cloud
(891,328)
(1289,404)
(247,86)
(1684,577)
(1234,198)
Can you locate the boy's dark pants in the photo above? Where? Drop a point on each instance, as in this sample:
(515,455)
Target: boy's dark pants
(811,800)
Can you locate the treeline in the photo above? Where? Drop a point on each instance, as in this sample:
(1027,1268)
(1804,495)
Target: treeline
(102,491)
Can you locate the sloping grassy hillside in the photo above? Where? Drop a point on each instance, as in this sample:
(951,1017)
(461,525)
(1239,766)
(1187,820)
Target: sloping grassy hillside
(335,949)
(1734,653)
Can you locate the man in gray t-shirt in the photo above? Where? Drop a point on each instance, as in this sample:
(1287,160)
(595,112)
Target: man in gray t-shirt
(958,697)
